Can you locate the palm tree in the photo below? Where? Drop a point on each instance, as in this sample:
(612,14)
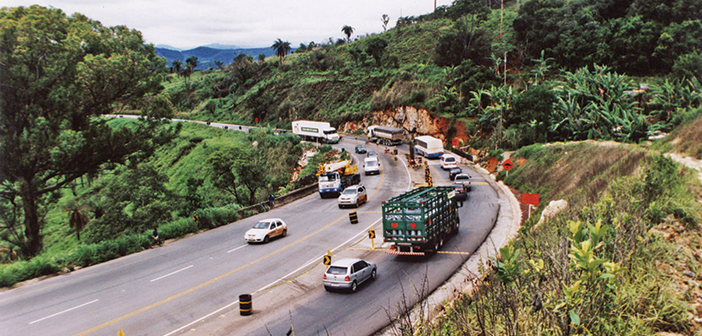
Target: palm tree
(281,48)
(76,219)
(177,66)
(348,30)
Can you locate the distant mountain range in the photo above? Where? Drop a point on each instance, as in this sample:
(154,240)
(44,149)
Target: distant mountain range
(207,55)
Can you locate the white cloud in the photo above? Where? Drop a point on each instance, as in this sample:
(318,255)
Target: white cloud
(258,23)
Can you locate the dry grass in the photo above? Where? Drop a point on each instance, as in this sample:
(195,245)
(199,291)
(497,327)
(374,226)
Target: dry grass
(686,139)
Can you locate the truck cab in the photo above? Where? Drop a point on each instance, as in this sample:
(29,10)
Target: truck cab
(330,184)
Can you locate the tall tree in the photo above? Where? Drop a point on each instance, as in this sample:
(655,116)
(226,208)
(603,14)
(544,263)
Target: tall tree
(281,48)
(58,75)
(177,66)
(376,48)
(348,30)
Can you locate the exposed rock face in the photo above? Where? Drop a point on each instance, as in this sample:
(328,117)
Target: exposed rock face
(409,118)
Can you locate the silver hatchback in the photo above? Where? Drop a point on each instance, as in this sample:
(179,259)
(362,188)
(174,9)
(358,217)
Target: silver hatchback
(348,273)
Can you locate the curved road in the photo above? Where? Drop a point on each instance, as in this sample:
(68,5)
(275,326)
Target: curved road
(192,285)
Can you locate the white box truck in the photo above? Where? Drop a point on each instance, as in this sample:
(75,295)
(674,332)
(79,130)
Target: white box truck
(319,131)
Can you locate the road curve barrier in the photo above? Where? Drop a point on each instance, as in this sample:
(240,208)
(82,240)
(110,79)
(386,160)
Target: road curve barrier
(245,304)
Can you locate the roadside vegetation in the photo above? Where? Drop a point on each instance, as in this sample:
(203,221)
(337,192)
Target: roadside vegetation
(622,258)
(78,189)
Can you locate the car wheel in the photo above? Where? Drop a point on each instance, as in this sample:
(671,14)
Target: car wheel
(340,207)
(285,233)
(358,203)
(327,288)
(374,274)
(354,287)
(266,239)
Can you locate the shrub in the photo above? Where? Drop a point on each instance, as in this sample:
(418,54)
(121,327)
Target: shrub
(213,217)
(90,254)
(177,228)
(24,270)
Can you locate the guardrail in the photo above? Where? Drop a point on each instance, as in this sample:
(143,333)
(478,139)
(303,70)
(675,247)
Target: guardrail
(280,201)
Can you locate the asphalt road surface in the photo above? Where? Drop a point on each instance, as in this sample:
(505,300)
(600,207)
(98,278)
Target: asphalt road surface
(192,285)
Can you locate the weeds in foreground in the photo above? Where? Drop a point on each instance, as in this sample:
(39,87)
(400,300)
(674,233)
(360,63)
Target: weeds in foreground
(596,269)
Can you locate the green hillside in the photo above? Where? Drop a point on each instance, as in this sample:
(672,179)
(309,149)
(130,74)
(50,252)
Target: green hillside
(621,259)
(527,78)
(566,77)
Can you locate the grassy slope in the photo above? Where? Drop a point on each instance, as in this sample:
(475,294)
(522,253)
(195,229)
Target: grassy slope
(686,139)
(328,84)
(185,157)
(649,205)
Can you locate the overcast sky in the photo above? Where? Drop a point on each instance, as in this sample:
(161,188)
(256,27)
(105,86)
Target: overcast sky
(186,24)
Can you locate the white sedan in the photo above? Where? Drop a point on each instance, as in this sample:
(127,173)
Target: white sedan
(266,229)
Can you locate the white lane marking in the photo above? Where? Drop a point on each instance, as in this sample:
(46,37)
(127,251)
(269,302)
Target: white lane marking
(409,177)
(316,259)
(65,311)
(234,249)
(313,260)
(169,274)
(202,318)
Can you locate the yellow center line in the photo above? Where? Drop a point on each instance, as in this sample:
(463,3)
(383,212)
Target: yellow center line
(139,311)
(205,284)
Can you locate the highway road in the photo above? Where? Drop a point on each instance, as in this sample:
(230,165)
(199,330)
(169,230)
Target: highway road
(192,285)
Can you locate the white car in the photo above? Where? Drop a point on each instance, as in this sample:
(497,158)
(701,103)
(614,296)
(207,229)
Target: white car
(354,195)
(371,165)
(264,230)
(463,178)
(448,161)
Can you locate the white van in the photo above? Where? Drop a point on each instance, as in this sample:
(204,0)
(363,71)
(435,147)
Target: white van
(371,165)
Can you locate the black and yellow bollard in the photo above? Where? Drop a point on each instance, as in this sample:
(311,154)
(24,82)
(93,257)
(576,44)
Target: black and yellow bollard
(245,304)
(353,217)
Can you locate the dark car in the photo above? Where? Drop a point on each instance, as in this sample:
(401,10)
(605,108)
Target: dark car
(360,149)
(453,172)
(461,192)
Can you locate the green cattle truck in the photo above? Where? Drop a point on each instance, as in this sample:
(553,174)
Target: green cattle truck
(419,221)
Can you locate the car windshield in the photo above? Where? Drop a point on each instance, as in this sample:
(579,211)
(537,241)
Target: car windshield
(450,159)
(372,163)
(350,191)
(459,187)
(462,177)
(261,225)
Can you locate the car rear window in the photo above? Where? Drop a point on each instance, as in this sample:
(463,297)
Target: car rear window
(336,270)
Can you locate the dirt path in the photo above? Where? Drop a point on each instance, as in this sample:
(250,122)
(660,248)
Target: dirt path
(687,162)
